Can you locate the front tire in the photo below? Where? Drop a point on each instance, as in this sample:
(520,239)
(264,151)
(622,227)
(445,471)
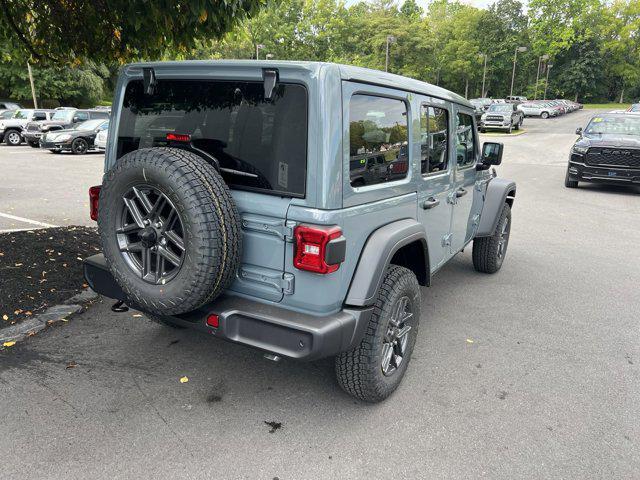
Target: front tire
(12,138)
(374,369)
(489,252)
(568,182)
(544,115)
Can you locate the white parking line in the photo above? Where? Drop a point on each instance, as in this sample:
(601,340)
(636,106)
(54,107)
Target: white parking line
(26,220)
(11,230)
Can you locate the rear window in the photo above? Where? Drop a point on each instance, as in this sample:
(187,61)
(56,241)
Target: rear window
(259,144)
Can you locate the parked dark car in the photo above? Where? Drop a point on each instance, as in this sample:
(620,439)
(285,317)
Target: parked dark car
(608,151)
(63,119)
(78,140)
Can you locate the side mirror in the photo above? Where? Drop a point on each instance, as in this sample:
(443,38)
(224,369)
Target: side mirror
(491,155)
(579,131)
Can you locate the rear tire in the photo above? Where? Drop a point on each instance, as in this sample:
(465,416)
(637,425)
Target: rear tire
(79,146)
(544,115)
(489,252)
(170,230)
(368,372)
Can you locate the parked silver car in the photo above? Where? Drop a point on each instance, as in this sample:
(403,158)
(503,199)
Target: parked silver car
(531,109)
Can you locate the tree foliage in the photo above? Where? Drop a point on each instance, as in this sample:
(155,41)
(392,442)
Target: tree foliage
(593,45)
(68,31)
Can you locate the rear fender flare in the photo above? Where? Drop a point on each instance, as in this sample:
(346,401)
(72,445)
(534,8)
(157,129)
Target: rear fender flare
(376,257)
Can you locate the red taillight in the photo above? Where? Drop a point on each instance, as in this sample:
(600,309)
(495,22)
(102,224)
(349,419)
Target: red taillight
(399,167)
(213,320)
(311,248)
(94,198)
(178,137)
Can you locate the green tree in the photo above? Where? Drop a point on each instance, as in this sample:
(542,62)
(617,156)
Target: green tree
(69,31)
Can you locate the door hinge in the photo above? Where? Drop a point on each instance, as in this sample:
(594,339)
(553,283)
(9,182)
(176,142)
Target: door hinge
(284,230)
(476,219)
(451,198)
(446,240)
(284,282)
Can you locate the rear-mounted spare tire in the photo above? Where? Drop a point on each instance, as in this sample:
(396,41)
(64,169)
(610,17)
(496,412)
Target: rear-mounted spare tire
(170,230)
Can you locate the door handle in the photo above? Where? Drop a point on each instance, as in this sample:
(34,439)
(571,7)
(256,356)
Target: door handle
(460,192)
(430,203)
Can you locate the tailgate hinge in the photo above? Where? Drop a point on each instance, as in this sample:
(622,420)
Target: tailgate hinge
(276,227)
(281,281)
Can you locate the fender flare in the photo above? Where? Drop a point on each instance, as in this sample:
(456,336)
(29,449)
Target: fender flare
(376,256)
(499,191)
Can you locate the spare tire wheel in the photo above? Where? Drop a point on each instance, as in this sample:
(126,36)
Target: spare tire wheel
(170,230)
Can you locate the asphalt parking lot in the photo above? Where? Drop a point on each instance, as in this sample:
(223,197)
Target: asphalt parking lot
(530,373)
(39,188)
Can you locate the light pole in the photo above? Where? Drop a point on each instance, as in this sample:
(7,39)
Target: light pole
(513,73)
(540,59)
(259,47)
(390,39)
(484,72)
(546,83)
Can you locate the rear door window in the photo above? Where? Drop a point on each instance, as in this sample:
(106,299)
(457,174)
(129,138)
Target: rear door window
(434,139)
(465,141)
(259,144)
(378,140)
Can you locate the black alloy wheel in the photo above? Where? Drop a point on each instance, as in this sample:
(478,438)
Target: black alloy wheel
(79,146)
(150,234)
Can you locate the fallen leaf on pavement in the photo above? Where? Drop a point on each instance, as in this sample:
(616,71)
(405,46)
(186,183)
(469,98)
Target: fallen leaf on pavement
(184,379)
(136,315)
(5,317)
(11,344)
(71,364)
(469,340)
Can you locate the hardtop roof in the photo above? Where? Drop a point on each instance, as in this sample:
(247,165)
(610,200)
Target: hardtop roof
(346,72)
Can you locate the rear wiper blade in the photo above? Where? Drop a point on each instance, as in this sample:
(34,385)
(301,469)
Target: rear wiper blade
(238,172)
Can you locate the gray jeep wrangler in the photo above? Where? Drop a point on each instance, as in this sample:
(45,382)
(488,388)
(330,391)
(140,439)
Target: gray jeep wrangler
(293,207)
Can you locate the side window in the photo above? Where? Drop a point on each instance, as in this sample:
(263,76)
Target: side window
(465,141)
(80,117)
(37,116)
(434,139)
(378,139)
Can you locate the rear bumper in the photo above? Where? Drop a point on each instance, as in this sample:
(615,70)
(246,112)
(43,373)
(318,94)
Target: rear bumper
(601,174)
(262,326)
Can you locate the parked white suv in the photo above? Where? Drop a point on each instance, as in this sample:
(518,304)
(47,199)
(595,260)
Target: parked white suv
(535,110)
(11,129)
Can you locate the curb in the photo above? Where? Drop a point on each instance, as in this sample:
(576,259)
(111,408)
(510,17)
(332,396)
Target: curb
(51,316)
(515,133)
